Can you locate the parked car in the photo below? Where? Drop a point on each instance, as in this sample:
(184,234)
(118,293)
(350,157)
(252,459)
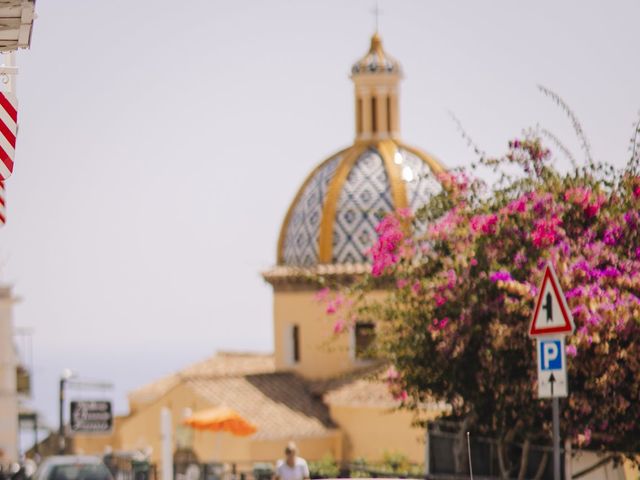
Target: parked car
(72,467)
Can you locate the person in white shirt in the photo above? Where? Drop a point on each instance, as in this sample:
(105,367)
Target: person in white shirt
(292,467)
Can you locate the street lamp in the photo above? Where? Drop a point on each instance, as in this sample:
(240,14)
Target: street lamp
(69,379)
(67,374)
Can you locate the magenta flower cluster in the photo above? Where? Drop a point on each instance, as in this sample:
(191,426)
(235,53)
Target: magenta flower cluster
(464,300)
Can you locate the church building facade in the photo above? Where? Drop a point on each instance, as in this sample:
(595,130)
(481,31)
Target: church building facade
(319,390)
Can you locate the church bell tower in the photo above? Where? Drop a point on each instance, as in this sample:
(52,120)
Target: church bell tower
(376,78)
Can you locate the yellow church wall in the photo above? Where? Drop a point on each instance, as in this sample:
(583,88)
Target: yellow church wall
(370,432)
(321,355)
(97,444)
(142,429)
(94,445)
(310,448)
(222,447)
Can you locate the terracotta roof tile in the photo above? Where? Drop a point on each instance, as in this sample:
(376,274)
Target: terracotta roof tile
(366,388)
(362,392)
(219,365)
(281,405)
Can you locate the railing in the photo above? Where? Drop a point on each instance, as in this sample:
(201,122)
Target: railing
(448,455)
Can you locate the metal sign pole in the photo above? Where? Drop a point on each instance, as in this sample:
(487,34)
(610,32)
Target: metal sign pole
(469,452)
(61,434)
(551,322)
(556,437)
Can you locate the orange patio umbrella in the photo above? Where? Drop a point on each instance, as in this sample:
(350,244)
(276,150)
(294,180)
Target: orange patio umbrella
(221,419)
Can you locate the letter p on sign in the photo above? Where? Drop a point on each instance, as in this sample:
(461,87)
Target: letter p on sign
(551,355)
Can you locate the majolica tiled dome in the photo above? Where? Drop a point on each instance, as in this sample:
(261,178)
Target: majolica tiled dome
(334,214)
(333,217)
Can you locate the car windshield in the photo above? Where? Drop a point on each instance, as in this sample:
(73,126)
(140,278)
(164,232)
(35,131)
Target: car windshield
(79,472)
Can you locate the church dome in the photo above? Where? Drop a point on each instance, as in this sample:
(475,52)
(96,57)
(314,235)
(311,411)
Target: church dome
(333,216)
(376,59)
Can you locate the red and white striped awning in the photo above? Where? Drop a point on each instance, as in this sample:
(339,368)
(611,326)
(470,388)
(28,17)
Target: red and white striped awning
(8,130)
(3,214)
(16,23)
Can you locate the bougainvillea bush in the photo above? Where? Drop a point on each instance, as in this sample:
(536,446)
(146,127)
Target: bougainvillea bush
(454,325)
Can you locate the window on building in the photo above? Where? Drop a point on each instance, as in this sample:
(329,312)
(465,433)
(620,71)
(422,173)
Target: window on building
(359,116)
(295,344)
(365,334)
(388,113)
(374,115)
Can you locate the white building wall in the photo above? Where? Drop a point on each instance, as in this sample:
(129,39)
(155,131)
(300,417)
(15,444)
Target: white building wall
(8,394)
(585,459)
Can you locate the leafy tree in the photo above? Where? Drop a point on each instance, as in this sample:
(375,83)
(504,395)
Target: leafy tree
(455,323)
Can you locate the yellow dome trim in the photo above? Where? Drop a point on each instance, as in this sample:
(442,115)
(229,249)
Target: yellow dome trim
(292,205)
(376,46)
(387,149)
(325,241)
(434,165)
(348,157)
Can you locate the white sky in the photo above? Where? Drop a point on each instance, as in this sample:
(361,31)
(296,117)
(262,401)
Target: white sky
(161,142)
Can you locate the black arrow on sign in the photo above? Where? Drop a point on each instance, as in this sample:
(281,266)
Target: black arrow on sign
(552,380)
(548,306)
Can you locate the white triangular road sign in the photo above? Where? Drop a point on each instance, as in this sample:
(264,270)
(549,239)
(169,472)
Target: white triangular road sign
(551,315)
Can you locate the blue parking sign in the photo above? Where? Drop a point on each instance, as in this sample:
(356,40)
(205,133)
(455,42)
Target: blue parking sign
(550,354)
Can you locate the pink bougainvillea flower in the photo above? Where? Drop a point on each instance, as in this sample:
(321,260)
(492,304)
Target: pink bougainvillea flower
(574,292)
(572,351)
(584,197)
(339,326)
(545,232)
(484,223)
(612,235)
(334,305)
(500,275)
(445,226)
(384,252)
(321,295)
(610,272)
(520,259)
(404,213)
(579,196)
(391,374)
(452,278)
(584,438)
(456,183)
(632,219)
(518,206)
(593,208)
